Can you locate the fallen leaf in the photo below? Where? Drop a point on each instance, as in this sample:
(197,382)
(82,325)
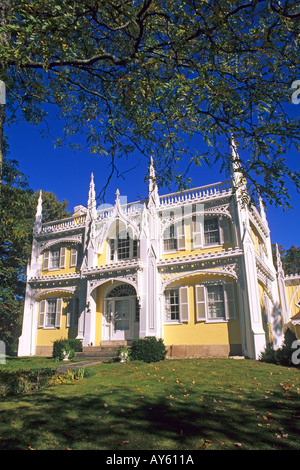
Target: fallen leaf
(123,443)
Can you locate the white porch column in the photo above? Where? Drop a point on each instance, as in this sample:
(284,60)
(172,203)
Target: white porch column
(90,318)
(25,341)
(254,311)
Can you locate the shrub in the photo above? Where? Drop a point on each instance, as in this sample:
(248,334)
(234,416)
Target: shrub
(281,356)
(75,344)
(61,347)
(21,381)
(148,349)
(268,355)
(30,380)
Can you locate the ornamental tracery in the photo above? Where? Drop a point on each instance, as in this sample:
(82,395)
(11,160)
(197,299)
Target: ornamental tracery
(122,290)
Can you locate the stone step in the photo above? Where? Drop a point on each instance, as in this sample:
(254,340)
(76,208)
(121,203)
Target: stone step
(96,354)
(107,350)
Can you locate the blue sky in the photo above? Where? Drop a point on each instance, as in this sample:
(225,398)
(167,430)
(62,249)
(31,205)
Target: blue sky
(67,175)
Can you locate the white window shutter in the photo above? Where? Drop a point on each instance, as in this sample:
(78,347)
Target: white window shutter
(69,313)
(42,313)
(224,230)
(58,313)
(73,259)
(229,301)
(197,234)
(62,257)
(200,303)
(181,236)
(46,260)
(184,303)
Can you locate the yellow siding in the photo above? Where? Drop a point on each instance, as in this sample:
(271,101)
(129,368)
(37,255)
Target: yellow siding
(102,257)
(255,238)
(189,246)
(66,270)
(267,327)
(202,333)
(290,290)
(45,337)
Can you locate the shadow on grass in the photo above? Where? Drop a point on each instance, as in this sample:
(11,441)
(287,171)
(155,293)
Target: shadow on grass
(44,420)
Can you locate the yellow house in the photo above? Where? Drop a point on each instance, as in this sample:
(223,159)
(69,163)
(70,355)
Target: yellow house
(193,267)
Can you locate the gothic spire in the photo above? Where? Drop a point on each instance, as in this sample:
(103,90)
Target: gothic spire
(38,214)
(153,190)
(92,199)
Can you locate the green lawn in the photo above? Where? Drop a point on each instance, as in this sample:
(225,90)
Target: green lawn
(187,404)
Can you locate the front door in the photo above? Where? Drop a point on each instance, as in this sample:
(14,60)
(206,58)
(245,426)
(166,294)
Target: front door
(121,320)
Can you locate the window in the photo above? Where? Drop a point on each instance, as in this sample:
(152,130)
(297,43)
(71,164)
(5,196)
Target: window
(50,313)
(123,247)
(211,231)
(172,304)
(55,258)
(177,305)
(174,235)
(73,257)
(215,302)
(170,240)
(216,308)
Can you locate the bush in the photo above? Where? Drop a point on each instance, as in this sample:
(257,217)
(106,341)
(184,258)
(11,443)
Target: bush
(21,381)
(63,347)
(283,355)
(75,344)
(148,349)
(30,380)
(268,355)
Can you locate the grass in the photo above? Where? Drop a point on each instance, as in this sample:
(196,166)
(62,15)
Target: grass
(189,404)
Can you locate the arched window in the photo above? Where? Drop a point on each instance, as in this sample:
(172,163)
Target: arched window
(123,290)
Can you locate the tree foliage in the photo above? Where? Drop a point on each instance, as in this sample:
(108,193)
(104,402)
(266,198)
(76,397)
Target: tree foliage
(17,214)
(175,79)
(290,258)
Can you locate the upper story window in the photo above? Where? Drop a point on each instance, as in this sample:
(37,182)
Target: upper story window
(174,235)
(56,258)
(211,231)
(123,246)
(204,232)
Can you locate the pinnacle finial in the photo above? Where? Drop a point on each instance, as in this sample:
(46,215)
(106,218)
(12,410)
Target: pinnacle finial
(39,214)
(92,199)
(153,191)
